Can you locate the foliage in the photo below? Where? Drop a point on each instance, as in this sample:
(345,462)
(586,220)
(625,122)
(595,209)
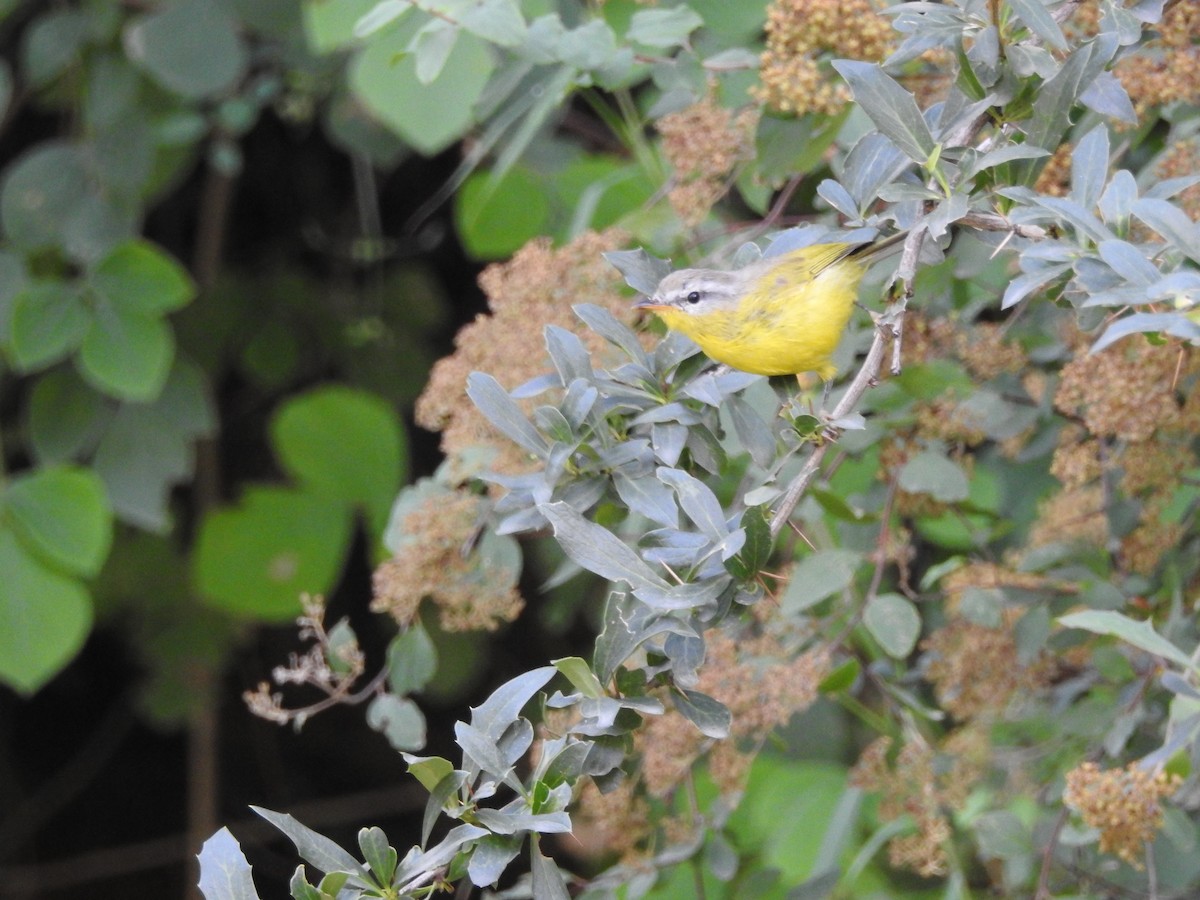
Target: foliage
(994,569)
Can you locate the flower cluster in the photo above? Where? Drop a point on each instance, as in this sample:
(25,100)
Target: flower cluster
(536,288)
(1123,803)
(704,144)
(795,76)
(1167,68)
(436,562)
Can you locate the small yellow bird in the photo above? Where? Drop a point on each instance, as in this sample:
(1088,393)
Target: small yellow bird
(781,315)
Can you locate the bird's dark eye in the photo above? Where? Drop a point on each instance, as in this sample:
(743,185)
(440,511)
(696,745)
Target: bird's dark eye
(693,297)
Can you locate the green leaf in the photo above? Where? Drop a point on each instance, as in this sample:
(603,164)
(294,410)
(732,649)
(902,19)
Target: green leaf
(929,472)
(411,660)
(378,853)
(137,277)
(61,513)
(1140,634)
(429,770)
(431,48)
(430,116)
(257,558)
(709,715)
(894,622)
(49,321)
(64,417)
(147,448)
(127,355)
(757,549)
(344,444)
(498,22)
(597,549)
(42,194)
(224,871)
(331,26)
(1052,110)
(502,411)
(191,47)
(52,44)
(46,617)
(842,677)
(663,27)
(1172,223)
(580,674)
(893,109)
(317,849)
(820,575)
(496,218)
(1038,20)
(399,720)
(548,881)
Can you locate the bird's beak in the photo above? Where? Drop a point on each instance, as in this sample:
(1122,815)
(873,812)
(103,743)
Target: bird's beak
(650,303)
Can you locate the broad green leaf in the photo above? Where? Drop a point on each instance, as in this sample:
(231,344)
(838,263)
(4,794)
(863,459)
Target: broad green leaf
(49,321)
(698,501)
(893,109)
(65,418)
(137,277)
(399,720)
(930,472)
(1140,634)
(42,192)
(757,549)
(380,15)
(61,513)
(191,47)
(147,448)
(641,271)
(894,622)
(411,660)
(46,617)
(491,856)
(258,557)
(496,218)
(1172,323)
(429,117)
(663,27)
(127,355)
(224,871)
(345,444)
(820,575)
(330,26)
(52,44)
(498,22)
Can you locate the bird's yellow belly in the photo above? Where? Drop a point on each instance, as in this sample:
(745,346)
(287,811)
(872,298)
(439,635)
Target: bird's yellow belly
(788,328)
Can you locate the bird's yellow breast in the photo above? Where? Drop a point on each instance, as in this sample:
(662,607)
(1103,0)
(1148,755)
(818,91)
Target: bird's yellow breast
(788,321)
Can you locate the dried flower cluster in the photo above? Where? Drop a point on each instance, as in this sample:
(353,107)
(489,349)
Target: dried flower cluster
(1123,803)
(1055,177)
(1136,406)
(760,695)
(704,144)
(536,288)
(795,76)
(975,670)
(1167,68)
(332,665)
(435,563)
(1181,160)
(909,787)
